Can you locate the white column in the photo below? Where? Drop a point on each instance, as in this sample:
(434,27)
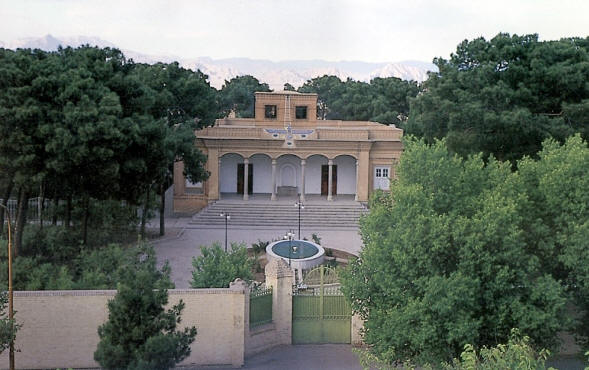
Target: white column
(273,197)
(329,179)
(246,163)
(303,163)
(219,179)
(356,196)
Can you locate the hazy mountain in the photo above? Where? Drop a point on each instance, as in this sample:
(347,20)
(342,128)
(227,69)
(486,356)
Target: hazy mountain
(275,74)
(50,43)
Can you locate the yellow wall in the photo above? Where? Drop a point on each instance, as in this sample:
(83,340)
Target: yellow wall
(59,328)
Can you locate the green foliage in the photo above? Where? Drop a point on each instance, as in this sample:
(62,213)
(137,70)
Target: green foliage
(559,218)
(316,239)
(516,354)
(89,126)
(505,96)
(8,328)
(288,87)
(384,100)
(86,268)
(260,247)
(237,95)
(216,268)
(51,244)
(102,268)
(461,251)
(140,333)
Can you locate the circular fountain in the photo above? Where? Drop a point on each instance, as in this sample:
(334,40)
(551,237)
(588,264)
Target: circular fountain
(299,254)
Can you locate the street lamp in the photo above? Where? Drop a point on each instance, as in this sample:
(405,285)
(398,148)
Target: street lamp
(227,218)
(289,236)
(300,205)
(10,295)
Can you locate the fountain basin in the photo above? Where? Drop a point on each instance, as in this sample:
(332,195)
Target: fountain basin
(302,254)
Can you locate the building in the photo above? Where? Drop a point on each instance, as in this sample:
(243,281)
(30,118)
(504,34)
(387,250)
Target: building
(286,151)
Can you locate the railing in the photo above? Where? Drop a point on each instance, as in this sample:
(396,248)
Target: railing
(33,210)
(231,132)
(386,134)
(260,306)
(342,134)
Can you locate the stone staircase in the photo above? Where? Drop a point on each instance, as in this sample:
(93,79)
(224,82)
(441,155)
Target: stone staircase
(280,214)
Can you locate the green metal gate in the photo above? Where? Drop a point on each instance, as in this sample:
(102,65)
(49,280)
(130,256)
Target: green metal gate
(320,313)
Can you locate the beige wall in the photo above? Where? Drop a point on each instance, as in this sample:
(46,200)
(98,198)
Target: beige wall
(59,328)
(369,142)
(278,99)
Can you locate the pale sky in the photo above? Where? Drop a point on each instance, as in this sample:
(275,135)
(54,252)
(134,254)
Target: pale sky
(365,30)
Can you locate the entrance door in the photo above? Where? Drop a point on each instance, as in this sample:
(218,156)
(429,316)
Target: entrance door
(381,177)
(325,179)
(320,312)
(250,178)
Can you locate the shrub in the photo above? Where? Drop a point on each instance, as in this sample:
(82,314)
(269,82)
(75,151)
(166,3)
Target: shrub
(217,268)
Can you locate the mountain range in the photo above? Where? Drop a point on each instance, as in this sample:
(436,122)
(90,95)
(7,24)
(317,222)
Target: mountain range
(274,73)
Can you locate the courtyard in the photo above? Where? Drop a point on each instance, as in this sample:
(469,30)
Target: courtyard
(184,240)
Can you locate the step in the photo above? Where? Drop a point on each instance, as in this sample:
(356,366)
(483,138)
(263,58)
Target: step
(264,214)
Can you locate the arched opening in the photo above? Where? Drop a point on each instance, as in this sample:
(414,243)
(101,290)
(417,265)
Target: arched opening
(346,174)
(288,175)
(228,168)
(262,173)
(313,173)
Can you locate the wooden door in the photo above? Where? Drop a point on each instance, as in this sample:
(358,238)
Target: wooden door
(325,179)
(250,178)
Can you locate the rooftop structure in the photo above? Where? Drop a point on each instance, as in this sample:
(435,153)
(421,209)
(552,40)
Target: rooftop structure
(286,151)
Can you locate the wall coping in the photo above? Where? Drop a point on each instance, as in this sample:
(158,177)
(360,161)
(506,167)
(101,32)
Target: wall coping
(78,293)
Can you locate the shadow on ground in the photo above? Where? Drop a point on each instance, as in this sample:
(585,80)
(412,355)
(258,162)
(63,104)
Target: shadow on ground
(299,357)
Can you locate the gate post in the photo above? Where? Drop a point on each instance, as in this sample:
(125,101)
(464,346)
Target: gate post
(281,278)
(239,322)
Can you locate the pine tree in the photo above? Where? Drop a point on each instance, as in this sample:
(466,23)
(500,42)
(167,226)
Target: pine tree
(140,333)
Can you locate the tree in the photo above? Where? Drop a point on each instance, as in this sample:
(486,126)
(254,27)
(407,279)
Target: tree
(178,101)
(8,328)
(237,95)
(217,268)
(328,88)
(384,100)
(446,261)
(558,187)
(140,333)
(289,87)
(517,353)
(505,96)
(22,114)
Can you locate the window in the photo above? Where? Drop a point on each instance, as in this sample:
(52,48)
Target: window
(301,112)
(381,177)
(270,111)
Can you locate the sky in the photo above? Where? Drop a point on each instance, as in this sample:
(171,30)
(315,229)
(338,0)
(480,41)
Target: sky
(334,30)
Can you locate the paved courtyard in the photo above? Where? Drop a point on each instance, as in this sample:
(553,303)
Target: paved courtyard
(300,357)
(183,241)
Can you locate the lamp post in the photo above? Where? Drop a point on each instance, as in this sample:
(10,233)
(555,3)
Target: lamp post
(289,236)
(227,218)
(300,205)
(10,293)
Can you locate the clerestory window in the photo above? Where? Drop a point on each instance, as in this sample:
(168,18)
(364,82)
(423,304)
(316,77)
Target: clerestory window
(270,111)
(301,112)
